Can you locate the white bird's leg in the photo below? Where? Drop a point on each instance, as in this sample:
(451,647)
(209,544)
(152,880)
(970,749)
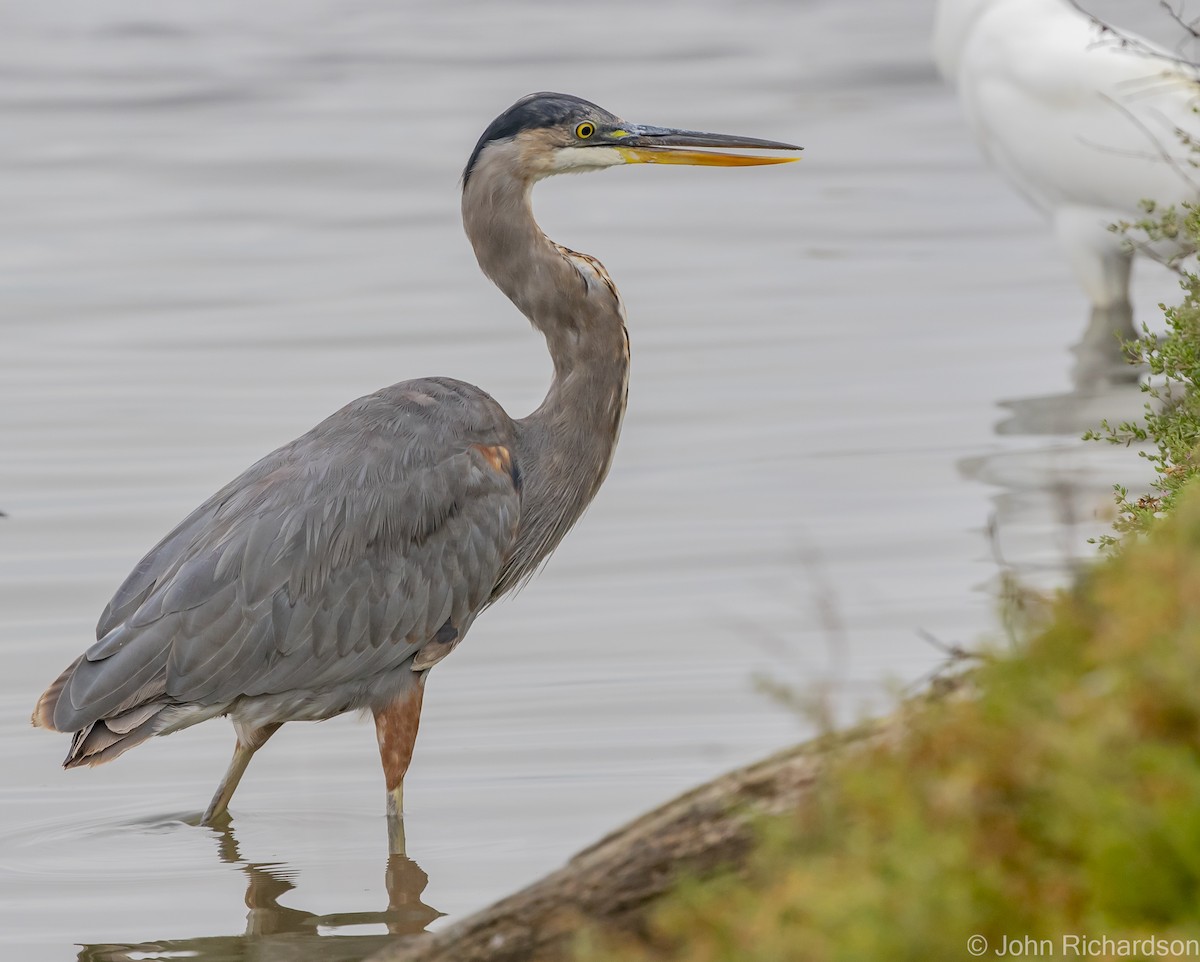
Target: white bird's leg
(396,728)
(1102,267)
(1097,256)
(247,744)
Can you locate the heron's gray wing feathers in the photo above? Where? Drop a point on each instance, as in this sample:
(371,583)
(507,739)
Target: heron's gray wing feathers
(335,558)
(151,569)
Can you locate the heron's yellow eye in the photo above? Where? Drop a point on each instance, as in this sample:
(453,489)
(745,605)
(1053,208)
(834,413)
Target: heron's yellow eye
(585,130)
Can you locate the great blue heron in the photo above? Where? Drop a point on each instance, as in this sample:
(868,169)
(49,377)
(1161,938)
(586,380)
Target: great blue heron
(335,572)
(1084,126)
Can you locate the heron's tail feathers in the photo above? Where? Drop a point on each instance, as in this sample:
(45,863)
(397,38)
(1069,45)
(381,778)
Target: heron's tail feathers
(105,739)
(43,713)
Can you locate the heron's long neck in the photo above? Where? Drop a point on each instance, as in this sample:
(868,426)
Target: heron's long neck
(568,442)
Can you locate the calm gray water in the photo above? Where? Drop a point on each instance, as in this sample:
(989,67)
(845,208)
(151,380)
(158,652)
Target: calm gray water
(222,221)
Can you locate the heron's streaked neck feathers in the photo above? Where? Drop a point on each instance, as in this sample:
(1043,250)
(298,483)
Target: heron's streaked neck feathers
(568,442)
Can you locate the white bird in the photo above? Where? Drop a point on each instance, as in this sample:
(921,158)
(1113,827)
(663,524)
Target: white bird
(1084,126)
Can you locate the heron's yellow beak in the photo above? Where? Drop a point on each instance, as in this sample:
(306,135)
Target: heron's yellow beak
(666,145)
(697,158)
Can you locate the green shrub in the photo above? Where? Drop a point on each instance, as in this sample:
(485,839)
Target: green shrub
(1172,415)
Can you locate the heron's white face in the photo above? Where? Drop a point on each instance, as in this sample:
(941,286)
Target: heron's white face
(551,150)
(572,160)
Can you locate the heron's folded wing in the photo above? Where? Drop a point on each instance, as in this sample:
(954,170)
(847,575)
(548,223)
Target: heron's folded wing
(334,559)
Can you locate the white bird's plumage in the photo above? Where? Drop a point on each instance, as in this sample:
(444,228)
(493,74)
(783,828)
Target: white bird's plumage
(1083,127)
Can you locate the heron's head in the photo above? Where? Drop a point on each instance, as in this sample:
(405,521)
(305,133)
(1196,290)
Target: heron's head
(549,133)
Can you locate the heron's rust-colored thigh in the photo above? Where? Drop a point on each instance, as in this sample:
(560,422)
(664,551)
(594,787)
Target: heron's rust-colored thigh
(396,729)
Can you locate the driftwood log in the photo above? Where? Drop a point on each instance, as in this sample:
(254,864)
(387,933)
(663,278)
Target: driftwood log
(613,884)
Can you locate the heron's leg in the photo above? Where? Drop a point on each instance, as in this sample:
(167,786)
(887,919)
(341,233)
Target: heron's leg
(396,729)
(247,744)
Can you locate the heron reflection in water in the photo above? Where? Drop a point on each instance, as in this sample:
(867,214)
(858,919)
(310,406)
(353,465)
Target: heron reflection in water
(333,574)
(279,931)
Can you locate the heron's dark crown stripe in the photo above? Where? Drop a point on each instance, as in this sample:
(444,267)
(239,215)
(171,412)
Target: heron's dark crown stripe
(531,112)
